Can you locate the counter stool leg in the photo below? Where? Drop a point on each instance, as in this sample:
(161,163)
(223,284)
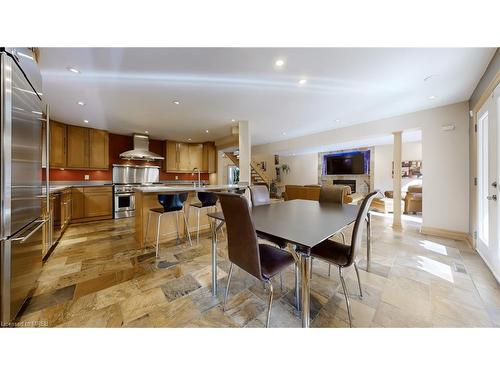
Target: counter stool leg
(177,226)
(147,230)
(187,228)
(158,235)
(198,227)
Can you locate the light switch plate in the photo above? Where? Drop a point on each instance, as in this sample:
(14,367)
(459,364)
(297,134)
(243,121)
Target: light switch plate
(176,177)
(87,177)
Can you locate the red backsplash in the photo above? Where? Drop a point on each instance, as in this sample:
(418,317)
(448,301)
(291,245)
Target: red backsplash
(117,145)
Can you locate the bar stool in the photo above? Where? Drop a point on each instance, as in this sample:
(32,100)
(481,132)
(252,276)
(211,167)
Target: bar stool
(207,201)
(172,203)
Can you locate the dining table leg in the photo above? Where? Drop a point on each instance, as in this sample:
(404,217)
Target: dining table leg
(305,278)
(214,257)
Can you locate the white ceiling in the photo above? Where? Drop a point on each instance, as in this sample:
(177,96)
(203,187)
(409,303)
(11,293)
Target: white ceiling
(128,90)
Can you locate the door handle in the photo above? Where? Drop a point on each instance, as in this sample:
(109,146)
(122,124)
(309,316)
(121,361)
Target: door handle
(494,184)
(492,197)
(24,238)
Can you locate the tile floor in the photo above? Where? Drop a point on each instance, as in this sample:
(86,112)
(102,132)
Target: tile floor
(98,277)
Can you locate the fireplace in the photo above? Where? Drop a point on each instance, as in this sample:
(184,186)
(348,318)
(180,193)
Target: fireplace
(350,183)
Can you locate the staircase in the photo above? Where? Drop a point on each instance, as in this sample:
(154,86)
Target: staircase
(258,175)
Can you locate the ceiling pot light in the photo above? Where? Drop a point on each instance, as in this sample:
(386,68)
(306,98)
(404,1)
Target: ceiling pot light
(284,133)
(146,131)
(86,121)
(233,120)
(432,97)
(189,139)
(206,131)
(73,70)
(279,63)
(303,81)
(81,103)
(337,121)
(176,101)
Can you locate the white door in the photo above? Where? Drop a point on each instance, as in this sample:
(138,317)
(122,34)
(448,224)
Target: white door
(488,123)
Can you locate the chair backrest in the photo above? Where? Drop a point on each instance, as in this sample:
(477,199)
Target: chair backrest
(334,193)
(172,202)
(260,195)
(357,232)
(242,244)
(207,199)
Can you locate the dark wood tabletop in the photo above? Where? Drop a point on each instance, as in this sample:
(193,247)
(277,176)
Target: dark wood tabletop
(302,222)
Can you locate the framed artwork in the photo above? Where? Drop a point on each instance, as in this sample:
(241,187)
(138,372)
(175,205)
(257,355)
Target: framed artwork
(276,159)
(410,169)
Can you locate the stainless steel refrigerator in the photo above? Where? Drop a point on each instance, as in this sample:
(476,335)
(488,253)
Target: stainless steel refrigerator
(22,190)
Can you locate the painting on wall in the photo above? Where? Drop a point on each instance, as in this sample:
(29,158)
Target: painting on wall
(276,159)
(410,169)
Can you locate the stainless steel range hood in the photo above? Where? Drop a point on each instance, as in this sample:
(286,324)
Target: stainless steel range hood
(141,150)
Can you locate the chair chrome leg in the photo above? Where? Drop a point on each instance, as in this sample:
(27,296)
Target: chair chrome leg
(177,226)
(270,304)
(329,269)
(311,268)
(297,286)
(147,230)
(347,302)
(359,280)
(187,228)
(227,286)
(198,227)
(158,235)
(281,281)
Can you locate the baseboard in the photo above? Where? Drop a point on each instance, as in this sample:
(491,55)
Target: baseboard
(461,236)
(495,275)
(470,241)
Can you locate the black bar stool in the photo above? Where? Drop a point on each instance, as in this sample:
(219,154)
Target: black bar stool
(172,203)
(207,201)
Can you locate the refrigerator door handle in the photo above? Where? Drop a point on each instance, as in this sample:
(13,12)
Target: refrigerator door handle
(47,158)
(24,238)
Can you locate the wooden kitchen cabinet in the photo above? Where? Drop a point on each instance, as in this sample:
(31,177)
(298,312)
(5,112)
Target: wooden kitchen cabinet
(195,156)
(98,149)
(77,147)
(98,201)
(171,156)
(77,203)
(209,157)
(183,162)
(57,145)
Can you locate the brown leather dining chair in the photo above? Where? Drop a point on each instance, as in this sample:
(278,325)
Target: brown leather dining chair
(342,255)
(334,194)
(260,260)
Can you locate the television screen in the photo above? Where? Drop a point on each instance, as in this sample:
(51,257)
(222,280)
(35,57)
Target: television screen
(345,164)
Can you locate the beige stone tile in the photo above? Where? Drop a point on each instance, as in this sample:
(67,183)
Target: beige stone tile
(115,294)
(393,317)
(467,315)
(107,317)
(138,305)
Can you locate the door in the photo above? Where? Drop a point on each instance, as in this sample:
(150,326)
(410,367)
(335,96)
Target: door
(78,150)
(99,149)
(57,145)
(487,181)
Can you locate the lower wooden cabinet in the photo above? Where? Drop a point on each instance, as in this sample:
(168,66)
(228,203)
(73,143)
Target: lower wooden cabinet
(92,203)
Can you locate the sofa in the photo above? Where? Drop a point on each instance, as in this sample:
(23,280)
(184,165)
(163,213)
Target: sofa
(311,192)
(413,199)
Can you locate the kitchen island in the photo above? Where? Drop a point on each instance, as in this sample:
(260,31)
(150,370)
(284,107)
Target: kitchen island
(146,197)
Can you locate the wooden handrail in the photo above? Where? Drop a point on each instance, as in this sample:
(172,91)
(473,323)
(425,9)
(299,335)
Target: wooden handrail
(260,172)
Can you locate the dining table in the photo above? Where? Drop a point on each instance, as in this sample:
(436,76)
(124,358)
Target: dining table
(303,224)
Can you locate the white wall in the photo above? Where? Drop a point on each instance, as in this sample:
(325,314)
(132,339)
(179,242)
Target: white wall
(382,169)
(445,158)
(303,169)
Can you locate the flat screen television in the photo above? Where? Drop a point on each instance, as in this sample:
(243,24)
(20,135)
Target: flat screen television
(352,163)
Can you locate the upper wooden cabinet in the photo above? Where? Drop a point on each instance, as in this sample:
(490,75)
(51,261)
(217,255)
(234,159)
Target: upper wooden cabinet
(99,149)
(209,157)
(184,157)
(57,145)
(76,147)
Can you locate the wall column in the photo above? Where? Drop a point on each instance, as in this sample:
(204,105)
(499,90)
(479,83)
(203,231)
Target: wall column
(245,147)
(396,221)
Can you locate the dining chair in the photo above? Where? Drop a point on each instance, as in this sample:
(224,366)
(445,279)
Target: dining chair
(260,260)
(333,194)
(171,204)
(342,255)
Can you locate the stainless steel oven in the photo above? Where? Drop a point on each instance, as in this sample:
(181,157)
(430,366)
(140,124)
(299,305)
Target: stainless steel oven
(124,201)
(125,178)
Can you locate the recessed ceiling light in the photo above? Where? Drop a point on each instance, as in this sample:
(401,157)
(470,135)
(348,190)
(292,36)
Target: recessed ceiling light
(284,133)
(86,121)
(189,139)
(303,81)
(233,120)
(146,132)
(81,103)
(206,131)
(432,97)
(176,102)
(279,63)
(337,120)
(73,70)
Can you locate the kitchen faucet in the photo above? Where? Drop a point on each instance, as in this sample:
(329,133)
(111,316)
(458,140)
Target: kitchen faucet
(199,176)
